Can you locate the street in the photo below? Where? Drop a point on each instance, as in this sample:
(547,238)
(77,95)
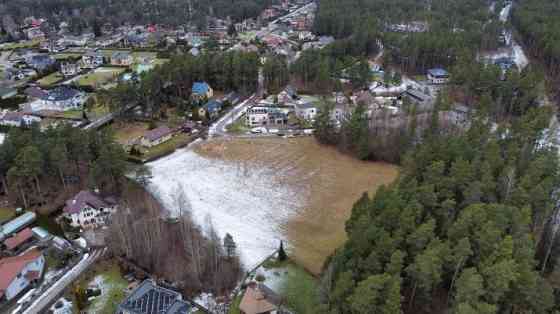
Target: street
(52,293)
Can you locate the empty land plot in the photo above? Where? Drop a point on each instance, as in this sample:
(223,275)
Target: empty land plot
(330,183)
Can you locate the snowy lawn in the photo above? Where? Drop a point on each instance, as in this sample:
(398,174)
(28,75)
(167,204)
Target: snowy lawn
(108,278)
(241,199)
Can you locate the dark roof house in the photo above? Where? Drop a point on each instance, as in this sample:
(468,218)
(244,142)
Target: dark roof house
(149,298)
(86,198)
(157,133)
(61,93)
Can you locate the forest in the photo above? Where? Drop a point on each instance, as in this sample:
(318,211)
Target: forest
(452,28)
(537,23)
(34,165)
(117,12)
(466,227)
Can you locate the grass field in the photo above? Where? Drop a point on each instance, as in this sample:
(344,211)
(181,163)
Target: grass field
(238,127)
(167,147)
(125,132)
(6,214)
(62,56)
(23,44)
(51,79)
(100,76)
(106,275)
(328,181)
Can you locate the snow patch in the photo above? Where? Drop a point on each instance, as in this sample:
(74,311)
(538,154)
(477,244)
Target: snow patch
(519,56)
(504,13)
(2,138)
(247,200)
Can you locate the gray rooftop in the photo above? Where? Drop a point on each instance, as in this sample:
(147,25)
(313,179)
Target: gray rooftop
(149,298)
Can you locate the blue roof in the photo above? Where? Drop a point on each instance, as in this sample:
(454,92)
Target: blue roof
(438,72)
(213,106)
(200,88)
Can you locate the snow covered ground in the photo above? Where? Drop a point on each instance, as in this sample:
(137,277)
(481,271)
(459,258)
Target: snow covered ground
(2,138)
(504,14)
(381,89)
(246,200)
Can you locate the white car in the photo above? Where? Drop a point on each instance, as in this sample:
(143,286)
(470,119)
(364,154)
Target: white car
(259,130)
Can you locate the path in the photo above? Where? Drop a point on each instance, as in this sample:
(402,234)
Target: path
(49,296)
(219,127)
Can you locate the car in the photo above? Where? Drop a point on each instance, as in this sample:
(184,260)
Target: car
(259,130)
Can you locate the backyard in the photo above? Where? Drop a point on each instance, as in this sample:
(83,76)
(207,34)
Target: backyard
(100,76)
(51,79)
(6,214)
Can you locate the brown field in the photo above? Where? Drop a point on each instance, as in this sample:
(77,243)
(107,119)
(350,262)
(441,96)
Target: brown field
(330,180)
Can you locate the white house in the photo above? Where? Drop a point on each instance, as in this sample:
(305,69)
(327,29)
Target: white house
(306,111)
(438,76)
(89,210)
(69,68)
(263,115)
(18,119)
(92,59)
(19,272)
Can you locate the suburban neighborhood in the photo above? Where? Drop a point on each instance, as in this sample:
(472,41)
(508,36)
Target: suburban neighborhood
(278,157)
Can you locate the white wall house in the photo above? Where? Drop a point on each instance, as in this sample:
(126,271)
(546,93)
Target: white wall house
(438,76)
(89,210)
(306,111)
(64,98)
(19,272)
(257,116)
(17,119)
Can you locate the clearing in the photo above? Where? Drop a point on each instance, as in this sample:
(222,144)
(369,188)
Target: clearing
(264,190)
(100,76)
(51,79)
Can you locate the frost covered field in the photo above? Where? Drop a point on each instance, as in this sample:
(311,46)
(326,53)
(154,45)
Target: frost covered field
(245,201)
(264,190)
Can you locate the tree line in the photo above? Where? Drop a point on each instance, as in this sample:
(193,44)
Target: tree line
(536,21)
(34,164)
(466,228)
(169,85)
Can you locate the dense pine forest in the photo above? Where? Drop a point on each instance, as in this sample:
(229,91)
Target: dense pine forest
(116,12)
(537,23)
(444,29)
(465,227)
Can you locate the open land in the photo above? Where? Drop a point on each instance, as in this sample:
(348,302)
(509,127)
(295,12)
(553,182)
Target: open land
(269,189)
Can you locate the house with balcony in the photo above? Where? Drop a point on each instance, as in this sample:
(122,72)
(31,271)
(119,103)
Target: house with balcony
(89,209)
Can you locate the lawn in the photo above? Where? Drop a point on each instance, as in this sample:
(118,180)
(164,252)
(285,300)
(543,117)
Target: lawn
(100,76)
(234,307)
(73,114)
(125,132)
(108,277)
(68,55)
(6,214)
(164,148)
(238,127)
(24,44)
(301,290)
(51,79)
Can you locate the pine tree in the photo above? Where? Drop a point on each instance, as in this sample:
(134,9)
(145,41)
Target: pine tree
(282,256)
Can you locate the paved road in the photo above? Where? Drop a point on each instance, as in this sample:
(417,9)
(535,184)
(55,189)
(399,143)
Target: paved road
(49,296)
(219,127)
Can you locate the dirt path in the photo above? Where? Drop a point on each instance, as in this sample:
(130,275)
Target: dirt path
(330,182)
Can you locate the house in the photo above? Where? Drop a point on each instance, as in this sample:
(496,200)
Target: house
(16,242)
(201,90)
(287,95)
(89,210)
(149,298)
(17,273)
(210,109)
(41,234)
(259,299)
(156,136)
(92,59)
(35,93)
(339,113)
(265,115)
(40,62)
(232,98)
(16,224)
(420,99)
(64,98)
(18,118)
(306,111)
(69,68)
(438,76)
(122,58)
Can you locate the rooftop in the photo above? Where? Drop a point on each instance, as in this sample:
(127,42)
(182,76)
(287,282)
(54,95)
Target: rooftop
(10,267)
(200,88)
(148,298)
(157,133)
(18,239)
(61,93)
(258,299)
(438,72)
(85,198)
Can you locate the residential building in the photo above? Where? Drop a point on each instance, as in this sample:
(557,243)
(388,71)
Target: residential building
(17,241)
(201,90)
(122,58)
(149,298)
(41,234)
(16,224)
(18,118)
(421,100)
(89,210)
(287,95)
(40,62)
(266,116)
(92,59)
(17,273)
(156,136)
(64,98)
(211,109)
(306,111)
(438,76)
(259,299)
(69,68)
